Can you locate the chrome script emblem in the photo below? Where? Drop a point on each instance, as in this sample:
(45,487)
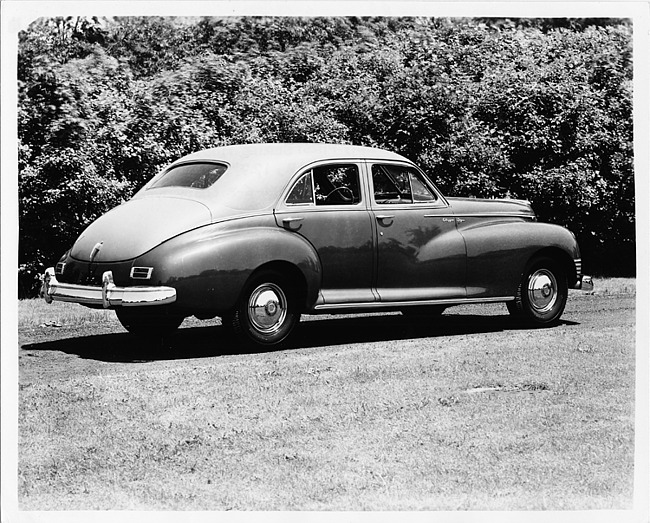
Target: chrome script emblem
(95,251)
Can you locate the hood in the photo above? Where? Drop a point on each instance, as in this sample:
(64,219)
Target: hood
(137,226)
(491,207)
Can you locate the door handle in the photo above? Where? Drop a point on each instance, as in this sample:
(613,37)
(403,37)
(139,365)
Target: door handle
(292,223)
(382,217)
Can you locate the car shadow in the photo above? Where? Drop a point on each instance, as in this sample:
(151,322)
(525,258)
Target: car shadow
(212,341)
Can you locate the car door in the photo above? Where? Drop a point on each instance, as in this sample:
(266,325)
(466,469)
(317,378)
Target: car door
(420,253)
(325,205)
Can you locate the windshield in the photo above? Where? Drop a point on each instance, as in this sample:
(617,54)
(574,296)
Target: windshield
(195,175)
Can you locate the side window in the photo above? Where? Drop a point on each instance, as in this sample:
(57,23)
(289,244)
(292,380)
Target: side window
(399,184)
(302,191)
(337,184)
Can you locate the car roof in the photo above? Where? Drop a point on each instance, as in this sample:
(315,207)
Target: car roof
(290,155)
(258,173)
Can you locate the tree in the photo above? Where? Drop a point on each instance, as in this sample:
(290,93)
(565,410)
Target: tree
(69,161)
(530,108)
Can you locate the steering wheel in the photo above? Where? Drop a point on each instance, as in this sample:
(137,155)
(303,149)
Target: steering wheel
(341,189)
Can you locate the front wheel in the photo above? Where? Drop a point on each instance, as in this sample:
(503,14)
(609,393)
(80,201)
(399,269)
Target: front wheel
(542,293)
(267,310)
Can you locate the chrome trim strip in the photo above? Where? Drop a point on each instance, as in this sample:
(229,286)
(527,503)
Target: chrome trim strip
(108,295)
(393,304)
(482,215)
(500,214)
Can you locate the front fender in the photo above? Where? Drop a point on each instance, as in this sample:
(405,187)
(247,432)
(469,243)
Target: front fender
(209,266)
(498,251)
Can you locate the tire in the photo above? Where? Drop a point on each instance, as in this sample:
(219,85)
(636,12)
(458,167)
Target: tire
(150,322)
(267,311)
(542,293)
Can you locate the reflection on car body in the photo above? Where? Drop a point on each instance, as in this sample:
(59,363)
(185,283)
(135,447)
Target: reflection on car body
(260,234)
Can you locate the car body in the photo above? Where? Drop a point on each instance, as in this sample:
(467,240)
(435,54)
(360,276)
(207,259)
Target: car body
(259,234)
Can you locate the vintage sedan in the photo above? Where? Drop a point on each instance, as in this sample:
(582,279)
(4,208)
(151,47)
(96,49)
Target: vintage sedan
(260,234)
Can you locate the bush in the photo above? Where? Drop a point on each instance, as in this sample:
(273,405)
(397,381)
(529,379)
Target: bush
(533,109)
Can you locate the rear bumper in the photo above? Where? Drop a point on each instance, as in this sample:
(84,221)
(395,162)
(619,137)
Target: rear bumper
(107,296)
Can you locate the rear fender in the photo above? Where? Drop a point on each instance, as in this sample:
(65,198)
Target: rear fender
(208,267)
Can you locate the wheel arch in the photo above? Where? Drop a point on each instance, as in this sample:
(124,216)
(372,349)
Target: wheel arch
(304,295)
(541,295)
(562,258)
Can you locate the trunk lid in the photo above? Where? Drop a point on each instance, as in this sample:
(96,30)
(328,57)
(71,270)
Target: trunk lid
(137,226)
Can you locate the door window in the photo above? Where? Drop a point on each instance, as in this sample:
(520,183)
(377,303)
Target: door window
(399,184)
(334,184)
(337,184)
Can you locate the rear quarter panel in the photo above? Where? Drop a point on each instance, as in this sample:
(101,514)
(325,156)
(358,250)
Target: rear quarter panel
(209,266)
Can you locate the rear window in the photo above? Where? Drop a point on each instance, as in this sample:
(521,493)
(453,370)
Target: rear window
(195,175)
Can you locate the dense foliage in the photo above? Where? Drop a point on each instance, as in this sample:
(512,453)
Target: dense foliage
(534,109)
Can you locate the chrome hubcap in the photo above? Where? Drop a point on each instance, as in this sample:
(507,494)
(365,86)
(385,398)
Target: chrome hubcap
(267,308)
(542,290)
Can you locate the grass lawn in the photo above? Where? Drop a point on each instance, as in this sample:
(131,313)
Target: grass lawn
(364,413)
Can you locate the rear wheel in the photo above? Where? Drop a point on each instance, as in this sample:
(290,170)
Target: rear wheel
(149,321)
(267,310)
(542,293)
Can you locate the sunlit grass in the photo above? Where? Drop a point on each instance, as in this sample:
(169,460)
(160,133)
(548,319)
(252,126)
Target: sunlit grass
(503,420)
(36,313)
(615,286)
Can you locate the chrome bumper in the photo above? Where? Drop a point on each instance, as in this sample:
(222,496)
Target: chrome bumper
(108,295)
(585,284)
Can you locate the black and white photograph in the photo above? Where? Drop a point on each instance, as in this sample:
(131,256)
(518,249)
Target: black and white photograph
(325,260)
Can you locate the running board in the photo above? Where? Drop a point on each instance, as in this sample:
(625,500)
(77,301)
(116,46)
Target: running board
(396,305)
